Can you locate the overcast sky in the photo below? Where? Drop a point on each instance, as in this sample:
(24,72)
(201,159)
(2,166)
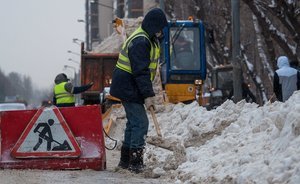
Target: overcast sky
(35,36)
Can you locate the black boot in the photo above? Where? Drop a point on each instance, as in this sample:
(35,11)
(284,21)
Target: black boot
(124,160)
(136,163)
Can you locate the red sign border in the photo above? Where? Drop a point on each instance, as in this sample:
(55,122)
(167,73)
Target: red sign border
(47,154)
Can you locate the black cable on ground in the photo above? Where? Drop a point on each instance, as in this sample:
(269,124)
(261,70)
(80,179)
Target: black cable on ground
(110,139)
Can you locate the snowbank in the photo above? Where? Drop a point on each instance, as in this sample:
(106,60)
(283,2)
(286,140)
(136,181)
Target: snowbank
(113,43)
(235,143)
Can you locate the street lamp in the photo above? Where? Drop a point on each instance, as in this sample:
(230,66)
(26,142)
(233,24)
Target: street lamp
(74,69)
(77,62)
(76,74)
(87,23)
(77,41)
(76,79)
(73,53)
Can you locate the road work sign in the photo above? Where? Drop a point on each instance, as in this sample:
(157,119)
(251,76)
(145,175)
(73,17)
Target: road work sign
(52,138)
(47,135)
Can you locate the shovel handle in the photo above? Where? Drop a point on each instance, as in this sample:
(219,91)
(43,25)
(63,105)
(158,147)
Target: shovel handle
(155,121)
(270,100)
(46,137)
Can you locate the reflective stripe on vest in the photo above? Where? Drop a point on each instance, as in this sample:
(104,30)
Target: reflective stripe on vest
(124,62)
(61,95)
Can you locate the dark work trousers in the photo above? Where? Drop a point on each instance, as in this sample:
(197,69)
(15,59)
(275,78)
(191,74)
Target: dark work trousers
(136,126)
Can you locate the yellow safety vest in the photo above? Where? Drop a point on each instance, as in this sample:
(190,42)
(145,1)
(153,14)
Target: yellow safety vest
(123,62)
(61,95)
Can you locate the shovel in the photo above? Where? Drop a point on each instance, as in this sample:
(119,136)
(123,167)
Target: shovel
(170,145)
(155,122)
(112,119)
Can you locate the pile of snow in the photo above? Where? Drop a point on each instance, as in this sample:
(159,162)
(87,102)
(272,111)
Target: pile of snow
(113,43)
(235,143)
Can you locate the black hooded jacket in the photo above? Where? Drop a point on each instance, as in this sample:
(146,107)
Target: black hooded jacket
(137,86)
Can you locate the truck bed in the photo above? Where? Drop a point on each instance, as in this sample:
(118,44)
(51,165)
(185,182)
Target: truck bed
(97,68)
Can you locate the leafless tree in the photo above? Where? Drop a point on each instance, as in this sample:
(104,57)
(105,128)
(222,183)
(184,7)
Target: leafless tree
(269,28)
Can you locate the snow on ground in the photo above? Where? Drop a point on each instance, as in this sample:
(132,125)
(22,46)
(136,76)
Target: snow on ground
(235,143)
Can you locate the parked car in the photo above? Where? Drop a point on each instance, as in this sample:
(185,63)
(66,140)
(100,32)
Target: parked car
(12,106)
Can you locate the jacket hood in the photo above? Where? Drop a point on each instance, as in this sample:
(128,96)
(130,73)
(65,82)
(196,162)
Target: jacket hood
(154,21)
(282,61)
(61,78)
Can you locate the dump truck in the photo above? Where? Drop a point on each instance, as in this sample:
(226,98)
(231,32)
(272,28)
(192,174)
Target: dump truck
(96,67)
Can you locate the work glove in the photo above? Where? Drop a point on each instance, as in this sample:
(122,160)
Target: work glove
(150,102)
(90,85)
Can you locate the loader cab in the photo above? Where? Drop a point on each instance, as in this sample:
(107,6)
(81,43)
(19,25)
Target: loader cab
(184,59)
(184,51)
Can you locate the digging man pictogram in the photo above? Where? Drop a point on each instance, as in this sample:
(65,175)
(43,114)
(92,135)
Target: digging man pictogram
(46,134)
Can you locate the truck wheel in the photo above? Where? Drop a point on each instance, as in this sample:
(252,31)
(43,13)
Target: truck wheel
(91,102)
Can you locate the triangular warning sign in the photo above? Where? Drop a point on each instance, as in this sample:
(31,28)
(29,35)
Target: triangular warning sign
(47,135)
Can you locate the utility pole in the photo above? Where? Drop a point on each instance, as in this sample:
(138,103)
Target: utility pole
(236,52)
(162,5)
(76,81)
(87,33)
(129,8)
